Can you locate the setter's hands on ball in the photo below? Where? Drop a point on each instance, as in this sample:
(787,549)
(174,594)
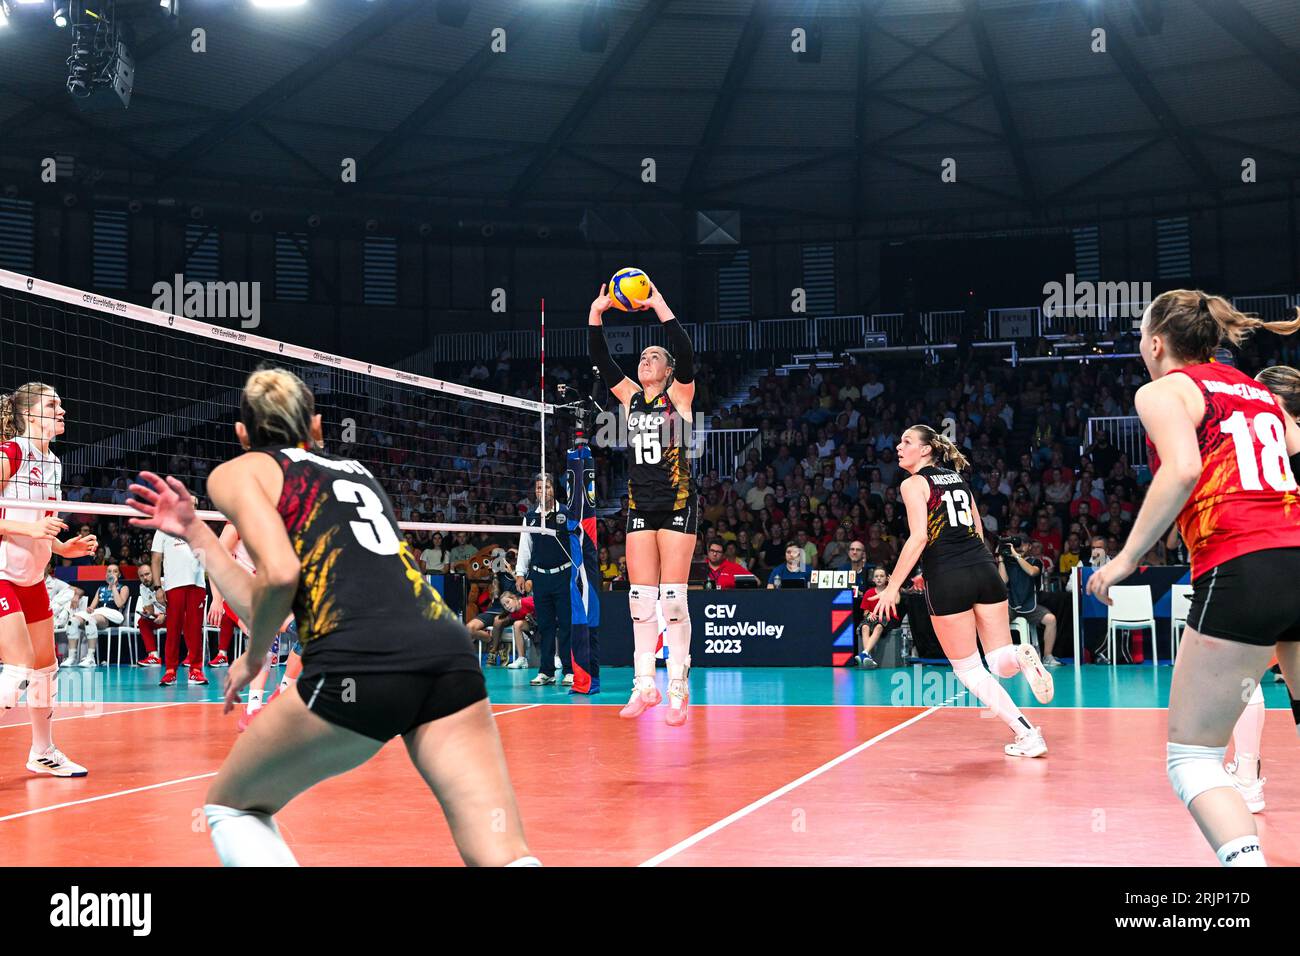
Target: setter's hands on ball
(165,503)
(1108,575)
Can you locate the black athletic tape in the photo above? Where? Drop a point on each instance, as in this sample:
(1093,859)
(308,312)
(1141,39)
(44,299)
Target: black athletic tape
(1295,711)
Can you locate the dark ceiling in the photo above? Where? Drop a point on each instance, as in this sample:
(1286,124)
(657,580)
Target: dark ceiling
(709,89)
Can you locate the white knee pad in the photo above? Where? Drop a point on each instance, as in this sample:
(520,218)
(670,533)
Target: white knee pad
(641,599)
(245,838)
(43,687)
(1193,770)
(675,608)
(13,679)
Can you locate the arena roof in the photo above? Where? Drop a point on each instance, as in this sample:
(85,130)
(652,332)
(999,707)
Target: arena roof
(708,89)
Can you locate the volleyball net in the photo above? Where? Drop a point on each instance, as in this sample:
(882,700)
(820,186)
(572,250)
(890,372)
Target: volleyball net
(145,390)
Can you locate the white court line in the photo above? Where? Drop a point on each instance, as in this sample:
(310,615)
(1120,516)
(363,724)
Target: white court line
(106,796)
(514,710)
(708,831)
(155,786)
(106,713)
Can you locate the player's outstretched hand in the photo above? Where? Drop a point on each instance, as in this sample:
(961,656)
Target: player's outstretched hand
(165,504)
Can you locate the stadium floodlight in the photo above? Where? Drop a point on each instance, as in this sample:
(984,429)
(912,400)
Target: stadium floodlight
(60,13)
(276,4)
(4,13)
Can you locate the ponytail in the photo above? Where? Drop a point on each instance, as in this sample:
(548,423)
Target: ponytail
(942,450)
(8,418)
(1195,324)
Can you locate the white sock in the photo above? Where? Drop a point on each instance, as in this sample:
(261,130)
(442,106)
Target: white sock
(42,686)
(1003,661)
(254,700)
(12,681)
(1247,735)
(990,693)
(1243,851)
(526,861)
(91,651)
(286,683)
(243,838)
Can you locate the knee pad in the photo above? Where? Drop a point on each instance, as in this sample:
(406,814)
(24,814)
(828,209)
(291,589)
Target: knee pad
(13,680)
(1193,770)
(43,686)
(970,671)
(676,610)
(641,599)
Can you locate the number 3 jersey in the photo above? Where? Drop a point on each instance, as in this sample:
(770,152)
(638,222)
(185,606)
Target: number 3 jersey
(951,539)
(659,477)
(1245,499)
(363,602)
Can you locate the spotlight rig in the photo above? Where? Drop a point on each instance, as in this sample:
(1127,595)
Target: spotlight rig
(99,60)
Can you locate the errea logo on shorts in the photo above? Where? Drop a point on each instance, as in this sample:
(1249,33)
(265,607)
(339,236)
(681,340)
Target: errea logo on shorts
(77,909)
(679,520)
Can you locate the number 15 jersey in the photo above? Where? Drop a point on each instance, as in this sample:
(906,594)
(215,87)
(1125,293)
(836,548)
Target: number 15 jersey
(659,477)
(952,540)
(363,602)
(1245,499)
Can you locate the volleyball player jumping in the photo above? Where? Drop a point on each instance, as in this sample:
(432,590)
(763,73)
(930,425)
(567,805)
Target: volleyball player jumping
(966,595)
(1223,458)
(383,656)
(663,511)
(30,419)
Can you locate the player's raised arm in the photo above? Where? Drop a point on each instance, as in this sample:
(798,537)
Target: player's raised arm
(619,384)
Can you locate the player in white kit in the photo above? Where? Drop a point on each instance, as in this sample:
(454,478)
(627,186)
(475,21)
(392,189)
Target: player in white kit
(30,418)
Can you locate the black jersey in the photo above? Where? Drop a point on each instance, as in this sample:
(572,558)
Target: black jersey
(659,477)
(952,539)
(363,601)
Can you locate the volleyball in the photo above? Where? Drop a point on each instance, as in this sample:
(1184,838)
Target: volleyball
(628,289)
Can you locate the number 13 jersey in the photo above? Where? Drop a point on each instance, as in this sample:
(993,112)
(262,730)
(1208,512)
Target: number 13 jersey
(1245,499)
(952,540)
(659,477)
(363,602)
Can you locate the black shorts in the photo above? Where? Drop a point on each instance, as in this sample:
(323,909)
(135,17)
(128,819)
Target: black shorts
(384,705)
(1252,599)
(955,590)
(685,519)
(489,617)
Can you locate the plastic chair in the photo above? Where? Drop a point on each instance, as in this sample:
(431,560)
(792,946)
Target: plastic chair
(1131,609)
(1180,605)
(118,631)
(1028,633)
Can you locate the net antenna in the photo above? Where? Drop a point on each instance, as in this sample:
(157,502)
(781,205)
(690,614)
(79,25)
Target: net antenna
(148,388)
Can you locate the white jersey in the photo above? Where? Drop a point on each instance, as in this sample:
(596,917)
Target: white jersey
(34,476)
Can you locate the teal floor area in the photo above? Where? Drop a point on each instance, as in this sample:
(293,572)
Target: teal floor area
(916,686)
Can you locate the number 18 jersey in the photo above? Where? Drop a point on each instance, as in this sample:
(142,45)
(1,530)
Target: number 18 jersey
(952,540)
(1245,499)
(363,602)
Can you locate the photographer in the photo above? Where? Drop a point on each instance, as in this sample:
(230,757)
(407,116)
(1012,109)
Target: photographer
(1021,577)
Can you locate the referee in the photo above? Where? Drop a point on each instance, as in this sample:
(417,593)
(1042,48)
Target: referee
(544,562)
